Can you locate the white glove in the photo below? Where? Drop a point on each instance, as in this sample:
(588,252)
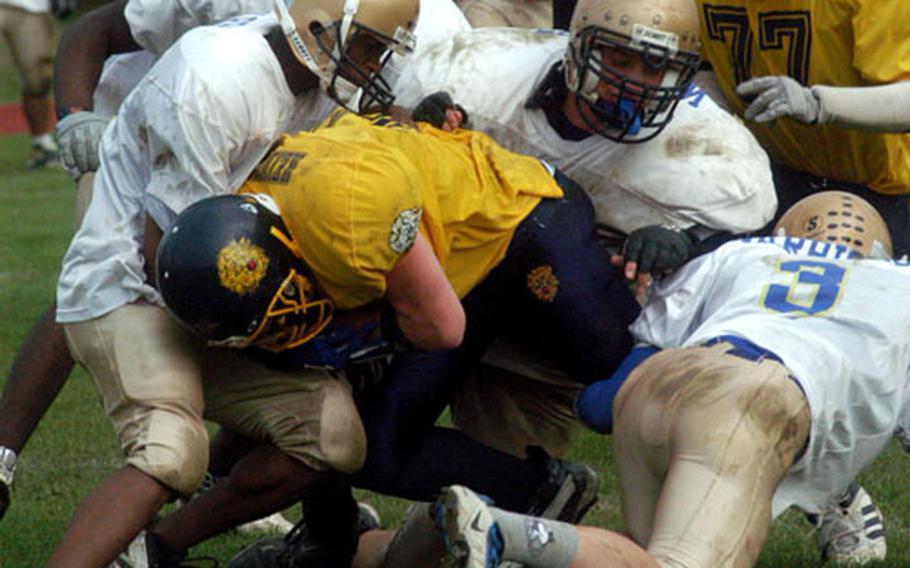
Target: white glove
(78,137)
(779,96)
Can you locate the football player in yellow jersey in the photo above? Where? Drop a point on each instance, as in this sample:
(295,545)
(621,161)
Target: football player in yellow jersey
(824,87)
(456,240)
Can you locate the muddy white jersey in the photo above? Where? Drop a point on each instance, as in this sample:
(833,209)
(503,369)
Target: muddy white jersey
(196,125)
(704,169)
(841,326)
(156,25)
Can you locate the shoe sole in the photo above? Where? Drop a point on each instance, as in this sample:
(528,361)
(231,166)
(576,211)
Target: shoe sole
(464,521)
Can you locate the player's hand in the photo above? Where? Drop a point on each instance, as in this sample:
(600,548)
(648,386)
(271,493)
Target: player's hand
(777,96)
(7,470)
(441,111)
(654,250)
(78,137)
(63,8)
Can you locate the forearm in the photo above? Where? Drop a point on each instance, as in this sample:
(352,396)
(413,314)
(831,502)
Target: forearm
(881,108)
(81,53)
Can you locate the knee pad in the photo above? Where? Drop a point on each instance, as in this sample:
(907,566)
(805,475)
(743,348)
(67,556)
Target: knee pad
(37,79)
(174,450)
(338,442)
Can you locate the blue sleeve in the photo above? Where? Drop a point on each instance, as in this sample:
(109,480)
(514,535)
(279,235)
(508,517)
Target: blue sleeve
(594,407)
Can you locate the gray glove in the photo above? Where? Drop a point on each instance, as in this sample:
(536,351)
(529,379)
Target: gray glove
(777,96)
(78,137)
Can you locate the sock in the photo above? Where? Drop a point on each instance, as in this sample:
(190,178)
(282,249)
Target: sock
(533,541)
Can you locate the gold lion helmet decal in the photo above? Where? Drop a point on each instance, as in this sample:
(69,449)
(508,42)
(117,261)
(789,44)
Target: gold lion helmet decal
(242,266)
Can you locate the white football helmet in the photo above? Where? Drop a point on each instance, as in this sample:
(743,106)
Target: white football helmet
(664,34)
(321,33)
(838,217)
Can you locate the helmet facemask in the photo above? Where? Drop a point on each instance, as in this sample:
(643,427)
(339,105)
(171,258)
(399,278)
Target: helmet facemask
(642,110)
(346,79)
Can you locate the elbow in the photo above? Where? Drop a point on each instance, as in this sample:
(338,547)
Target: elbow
(441,333)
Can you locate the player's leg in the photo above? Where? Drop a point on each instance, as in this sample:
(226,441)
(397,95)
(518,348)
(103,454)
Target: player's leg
(145,368)
(32,48)
(720,431)
(478,535)
(310,428)
(513,400)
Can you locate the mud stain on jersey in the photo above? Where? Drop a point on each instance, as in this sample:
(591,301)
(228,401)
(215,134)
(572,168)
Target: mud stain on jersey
(688,141)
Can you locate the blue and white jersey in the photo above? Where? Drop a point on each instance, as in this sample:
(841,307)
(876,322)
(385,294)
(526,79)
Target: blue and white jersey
(840,325)
(704,169)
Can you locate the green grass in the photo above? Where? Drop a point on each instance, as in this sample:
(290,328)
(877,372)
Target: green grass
(74,448)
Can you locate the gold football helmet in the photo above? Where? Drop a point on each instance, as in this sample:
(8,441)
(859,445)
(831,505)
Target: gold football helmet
(663,34)
(838,217)
(321,33)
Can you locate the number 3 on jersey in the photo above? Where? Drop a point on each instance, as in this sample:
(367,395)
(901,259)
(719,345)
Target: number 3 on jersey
(815,288)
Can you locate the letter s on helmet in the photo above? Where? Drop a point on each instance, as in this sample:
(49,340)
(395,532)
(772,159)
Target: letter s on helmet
(228,270)
(841,218)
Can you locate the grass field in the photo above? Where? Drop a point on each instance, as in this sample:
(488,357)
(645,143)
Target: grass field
(74,449)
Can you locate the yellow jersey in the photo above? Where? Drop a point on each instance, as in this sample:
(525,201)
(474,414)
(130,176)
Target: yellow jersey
(355,192)
(841,43)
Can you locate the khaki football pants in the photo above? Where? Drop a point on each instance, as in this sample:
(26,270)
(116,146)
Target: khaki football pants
(30,37)
(157,381)
(701,440)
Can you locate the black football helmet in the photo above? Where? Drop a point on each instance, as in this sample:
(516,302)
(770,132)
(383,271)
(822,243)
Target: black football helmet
(228,270)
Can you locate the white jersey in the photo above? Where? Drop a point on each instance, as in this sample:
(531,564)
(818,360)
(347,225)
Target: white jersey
(196,125)
(156,26)
(34,6)
(704,169)
(842,327)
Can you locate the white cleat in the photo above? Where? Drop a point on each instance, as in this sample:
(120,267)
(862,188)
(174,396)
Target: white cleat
(274,523)
(471,535)
(853,530)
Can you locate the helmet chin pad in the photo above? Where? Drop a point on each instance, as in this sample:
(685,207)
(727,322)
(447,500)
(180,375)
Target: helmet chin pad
(622,115)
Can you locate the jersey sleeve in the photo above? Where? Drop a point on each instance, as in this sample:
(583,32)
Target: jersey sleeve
(353,206)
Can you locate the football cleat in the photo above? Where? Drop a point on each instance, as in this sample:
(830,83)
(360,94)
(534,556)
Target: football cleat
(471,536)
(145,551)
(7,473)
(41,157)
(568,492)
(853,530)
(274,523)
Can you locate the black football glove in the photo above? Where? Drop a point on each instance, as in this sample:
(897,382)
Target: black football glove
(658,250)
(432,109)
(63,8)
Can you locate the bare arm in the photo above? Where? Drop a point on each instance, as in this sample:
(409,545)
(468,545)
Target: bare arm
(427,310)
(87,42)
